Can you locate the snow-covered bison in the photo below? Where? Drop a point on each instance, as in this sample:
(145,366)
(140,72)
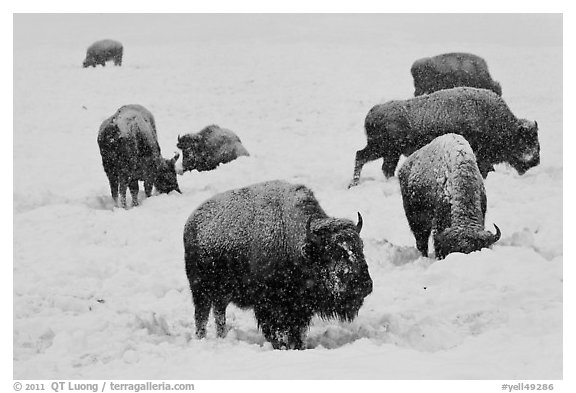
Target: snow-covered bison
(450,70)
(272,248)
(400,127)
(442,190)
(102,51)
(130,152)
(209,148)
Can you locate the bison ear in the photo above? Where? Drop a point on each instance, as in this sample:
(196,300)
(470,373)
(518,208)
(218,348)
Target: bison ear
(360,223)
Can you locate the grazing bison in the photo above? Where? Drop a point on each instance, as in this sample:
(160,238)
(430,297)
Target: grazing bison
(102,51)
(130,152)
(209,148)
(442,190)
(452,70)
(272,248)
(401,127)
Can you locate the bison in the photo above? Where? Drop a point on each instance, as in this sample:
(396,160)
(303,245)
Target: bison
(130,152)
(272,248)
(400,127)
(443,190)
(102,51)
(450,70)
(209,148)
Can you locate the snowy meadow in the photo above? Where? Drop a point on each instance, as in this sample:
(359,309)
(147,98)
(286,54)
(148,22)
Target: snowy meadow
(101,292)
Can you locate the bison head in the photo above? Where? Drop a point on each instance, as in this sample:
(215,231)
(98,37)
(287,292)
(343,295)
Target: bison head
(166,176)
(463,240)
(190,146)
(342,280)
(526,147)
(88,62)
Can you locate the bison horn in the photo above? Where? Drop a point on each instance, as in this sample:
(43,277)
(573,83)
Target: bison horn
(535,124)
(498,234)
(179,138)
(176,156)
(494,237)
(360,223)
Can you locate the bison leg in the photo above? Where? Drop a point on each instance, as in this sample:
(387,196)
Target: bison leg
(220,317)
(281,328)
(369,153)
(113,181)
(389,164)
(202,306)
(122,187)
(420,220)
(134,191)
(296,339)
(148,188)
(268,322)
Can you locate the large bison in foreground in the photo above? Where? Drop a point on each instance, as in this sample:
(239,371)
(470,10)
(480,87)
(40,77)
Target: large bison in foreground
(452,70)
(209,148)
(130,152)
(442,190)
(401,127)
(102,51)
(272,248)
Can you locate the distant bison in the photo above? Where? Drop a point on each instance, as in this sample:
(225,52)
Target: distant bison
(130,152)
(401,127)
(442,189)
(452,70)
(102,51)
(272,248)
(209,148)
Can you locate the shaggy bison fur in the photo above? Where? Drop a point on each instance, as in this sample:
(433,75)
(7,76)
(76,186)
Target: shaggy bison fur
(272,248)
(401,127)
(442,190)
(450,70)
(209,148)
(130,152)
(102,51)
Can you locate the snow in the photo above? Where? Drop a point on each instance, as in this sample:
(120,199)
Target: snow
(101,292)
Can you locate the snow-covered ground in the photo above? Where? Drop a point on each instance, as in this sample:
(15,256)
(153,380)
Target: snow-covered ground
(101,292)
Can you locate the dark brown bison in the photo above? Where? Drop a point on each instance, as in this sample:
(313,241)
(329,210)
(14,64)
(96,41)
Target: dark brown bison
(130,152)
(442,190)
(102,51)
(272,248)
(401,127)
(209,148)
(452,70)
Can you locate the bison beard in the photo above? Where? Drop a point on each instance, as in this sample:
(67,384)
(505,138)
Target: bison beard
(272,248)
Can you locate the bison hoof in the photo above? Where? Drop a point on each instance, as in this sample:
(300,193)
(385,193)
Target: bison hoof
(353,183)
